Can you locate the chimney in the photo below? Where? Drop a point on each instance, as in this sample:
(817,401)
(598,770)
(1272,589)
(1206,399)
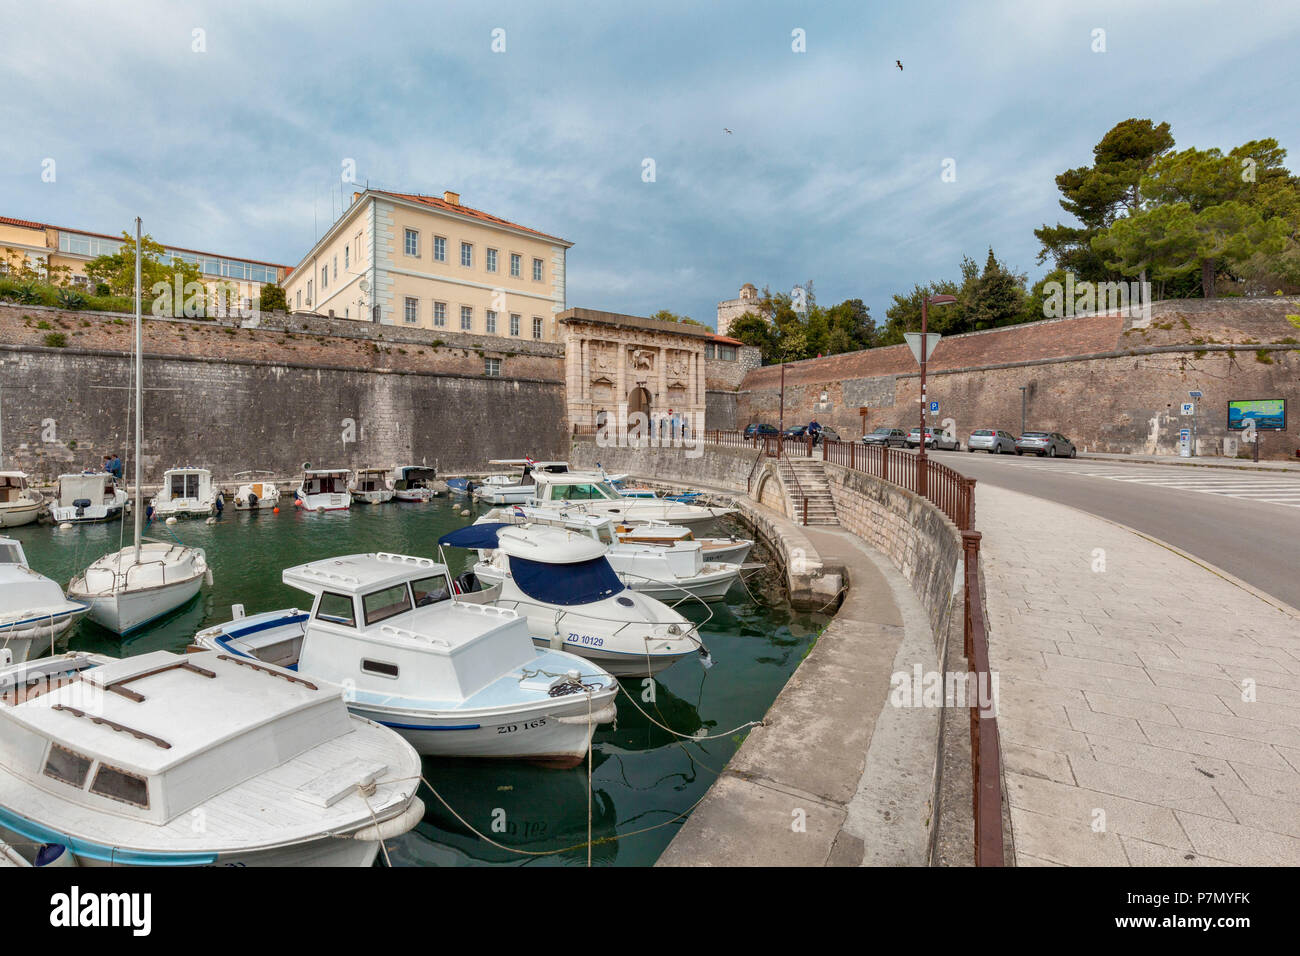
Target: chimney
(451,197)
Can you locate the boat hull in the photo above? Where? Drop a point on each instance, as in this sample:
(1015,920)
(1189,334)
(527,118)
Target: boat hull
(38,636)
(16,516)
(95,514)
(124,612)
(330,502)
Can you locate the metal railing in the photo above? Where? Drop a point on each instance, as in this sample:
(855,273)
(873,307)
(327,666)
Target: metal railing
(954,495)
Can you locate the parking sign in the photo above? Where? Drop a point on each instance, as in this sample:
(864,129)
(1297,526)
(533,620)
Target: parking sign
(1189,408)
(934,406)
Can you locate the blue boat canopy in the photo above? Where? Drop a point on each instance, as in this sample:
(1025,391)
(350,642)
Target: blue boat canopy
(475,536)
(580,582)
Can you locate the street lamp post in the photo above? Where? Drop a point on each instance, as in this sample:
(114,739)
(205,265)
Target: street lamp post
(921,483)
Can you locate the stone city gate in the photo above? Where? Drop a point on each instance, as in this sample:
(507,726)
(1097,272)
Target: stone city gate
(619,365)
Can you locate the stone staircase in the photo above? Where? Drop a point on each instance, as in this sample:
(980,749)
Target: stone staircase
(805,478)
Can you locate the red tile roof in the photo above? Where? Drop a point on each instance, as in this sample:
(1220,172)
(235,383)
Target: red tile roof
(725,340)
(445,206)
(21,222)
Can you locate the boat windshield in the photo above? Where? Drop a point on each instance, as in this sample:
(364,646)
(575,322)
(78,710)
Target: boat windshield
(582,582)
(430,590)
(11,554)
(585,491)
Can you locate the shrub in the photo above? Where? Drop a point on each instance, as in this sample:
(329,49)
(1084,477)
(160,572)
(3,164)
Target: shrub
(71,299)
(1262,356)
(56,340)
(43,325)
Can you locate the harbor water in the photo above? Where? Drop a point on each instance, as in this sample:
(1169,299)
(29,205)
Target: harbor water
(644,778)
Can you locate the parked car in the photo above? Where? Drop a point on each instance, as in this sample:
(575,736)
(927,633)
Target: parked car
(886,436)
(759,429)
(933,439)
(801,431)
(1051,444)
(992,440)
(795,431)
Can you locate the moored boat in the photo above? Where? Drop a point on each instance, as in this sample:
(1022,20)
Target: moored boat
(455,678)
(517,488)
(116,760)
(20,503)
(592,492)
(563,584)
(256,495)
(89,497)
(370,486)
(417,483)
(186,492)
(33,611)
(323,489)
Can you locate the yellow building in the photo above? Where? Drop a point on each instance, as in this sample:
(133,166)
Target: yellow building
(56,246)
(425,262)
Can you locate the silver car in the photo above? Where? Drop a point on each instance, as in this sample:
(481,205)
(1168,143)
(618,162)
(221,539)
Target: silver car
(1051,444)
(992,440)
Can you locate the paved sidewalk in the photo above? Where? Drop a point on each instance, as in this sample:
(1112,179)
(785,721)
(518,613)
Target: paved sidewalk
(1126,671)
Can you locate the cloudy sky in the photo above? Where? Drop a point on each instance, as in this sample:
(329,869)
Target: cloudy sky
(833,171)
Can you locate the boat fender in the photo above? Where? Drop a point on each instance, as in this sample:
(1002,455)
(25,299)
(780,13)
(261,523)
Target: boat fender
(605,715)
(55,854)
(65,526)
(207,577)
(394,827)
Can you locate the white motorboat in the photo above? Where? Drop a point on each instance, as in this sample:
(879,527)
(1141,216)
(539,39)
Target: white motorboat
(20,503)
(563,584)
(727,549)
(515,488)
(88,497)
(417,483)
(128,589)
(455,678)
(257,496)
(323,489)
(667,570)
(591,491)
(33,611)
(371,486)
(186,492)
(195,760)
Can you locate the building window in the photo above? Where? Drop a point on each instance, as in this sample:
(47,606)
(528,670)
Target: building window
(516,264)
(299,298)
(412,309)
(708,350)
(727,353)
(466,318)
(440,315)
(491,260)
(492,367)
(466,254)
(491,321)
(347,256)
(439,249)
(537,270)
(308,291)
(325,277)
(412,243)
(514,323)
(336,268)
(537,326)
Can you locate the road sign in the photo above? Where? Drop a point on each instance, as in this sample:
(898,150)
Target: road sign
(934,406)
(914,343)
(1189,408)
(1194,394)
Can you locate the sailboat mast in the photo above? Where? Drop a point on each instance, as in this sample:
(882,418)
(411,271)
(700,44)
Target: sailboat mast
(139,390)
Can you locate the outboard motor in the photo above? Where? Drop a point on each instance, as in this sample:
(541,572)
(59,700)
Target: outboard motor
(252,501)
(467,582)
(81,504)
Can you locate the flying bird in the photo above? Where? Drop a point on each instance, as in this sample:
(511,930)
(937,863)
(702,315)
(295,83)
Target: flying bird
(725,130)
(900,65)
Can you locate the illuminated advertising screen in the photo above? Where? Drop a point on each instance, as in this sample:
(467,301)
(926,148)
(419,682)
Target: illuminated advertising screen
(1269,414)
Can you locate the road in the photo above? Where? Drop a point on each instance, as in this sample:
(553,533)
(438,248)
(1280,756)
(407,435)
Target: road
(1246,523)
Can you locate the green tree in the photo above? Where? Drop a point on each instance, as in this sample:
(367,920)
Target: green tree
(757,331)
(1097,195)
(664,315)
(117,270)
(273,299)
(996,297)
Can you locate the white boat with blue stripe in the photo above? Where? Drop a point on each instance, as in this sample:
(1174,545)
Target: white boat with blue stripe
(195,760)
(455,677)
(562,582)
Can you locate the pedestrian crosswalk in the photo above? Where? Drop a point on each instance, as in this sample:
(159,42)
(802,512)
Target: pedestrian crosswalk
(1272,489)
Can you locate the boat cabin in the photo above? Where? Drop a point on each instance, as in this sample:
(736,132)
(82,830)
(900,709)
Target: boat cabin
(371,479)
(13,487)
(575,486)
(414,476)
(179,484)
(393,620)
(97,488)
(151,737)
(326,481)
(528,469)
